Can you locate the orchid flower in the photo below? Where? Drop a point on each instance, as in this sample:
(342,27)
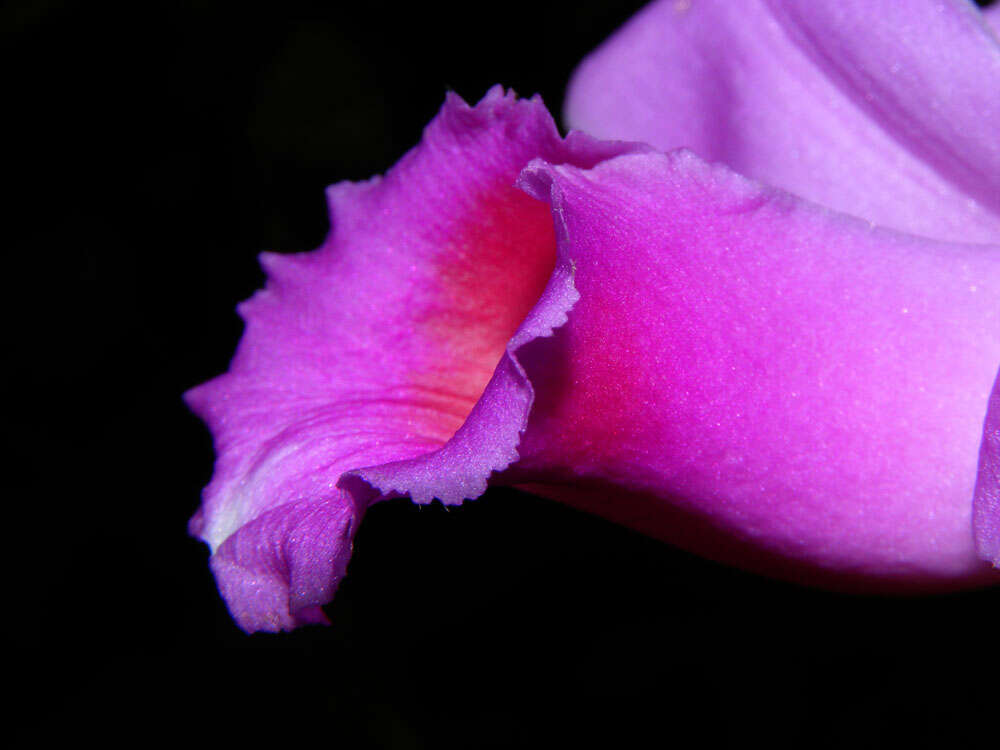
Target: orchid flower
(784,360)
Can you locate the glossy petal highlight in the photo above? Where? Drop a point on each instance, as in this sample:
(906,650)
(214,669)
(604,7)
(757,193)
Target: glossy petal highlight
(371,356)
(747,372)
(880,109)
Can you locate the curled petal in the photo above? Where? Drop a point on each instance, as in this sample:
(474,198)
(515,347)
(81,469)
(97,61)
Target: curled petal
(375,358)
(278,570)
(761,380)
(880,109)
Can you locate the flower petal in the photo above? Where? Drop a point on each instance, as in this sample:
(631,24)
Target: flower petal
(986,509)
(881,109)
(375,349)
(761,380)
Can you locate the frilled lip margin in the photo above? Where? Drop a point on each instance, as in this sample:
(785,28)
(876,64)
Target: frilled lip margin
(285,500)
(317,545)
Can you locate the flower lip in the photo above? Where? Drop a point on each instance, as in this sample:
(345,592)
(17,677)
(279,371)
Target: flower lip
(385,362)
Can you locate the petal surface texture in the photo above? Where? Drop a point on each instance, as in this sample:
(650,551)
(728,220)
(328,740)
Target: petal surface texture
(762,380)
(881,109)
(388,353)
(986,510)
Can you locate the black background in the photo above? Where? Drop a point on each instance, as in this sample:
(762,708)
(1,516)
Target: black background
(157,148)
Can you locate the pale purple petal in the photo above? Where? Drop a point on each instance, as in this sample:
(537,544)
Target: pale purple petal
(761,380)
(279,569)
(986,511)
(373,350)
(881,109)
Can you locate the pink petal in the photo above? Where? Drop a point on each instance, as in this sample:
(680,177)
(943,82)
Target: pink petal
(373,350)
(761,380)
(881,109)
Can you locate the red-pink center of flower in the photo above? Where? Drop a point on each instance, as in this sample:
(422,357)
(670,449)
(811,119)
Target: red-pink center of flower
(498,259)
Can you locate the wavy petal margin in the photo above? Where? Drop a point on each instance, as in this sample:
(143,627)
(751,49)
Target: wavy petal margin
(369,368)
(880,109)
